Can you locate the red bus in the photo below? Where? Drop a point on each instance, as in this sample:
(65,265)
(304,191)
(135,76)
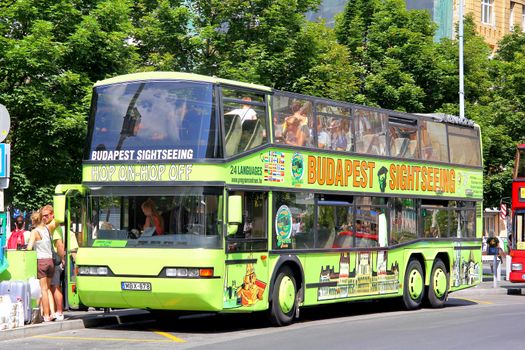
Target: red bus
(517,248)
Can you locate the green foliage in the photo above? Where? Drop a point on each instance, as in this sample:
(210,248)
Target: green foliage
(328,71)
(380,54)
(253,41)
(395,50)
(50,54)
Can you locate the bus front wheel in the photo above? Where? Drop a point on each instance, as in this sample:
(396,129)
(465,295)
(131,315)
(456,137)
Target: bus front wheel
(414,286)
(439,284)
(284,298)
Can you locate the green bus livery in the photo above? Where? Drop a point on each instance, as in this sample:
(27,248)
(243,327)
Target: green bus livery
(206,194)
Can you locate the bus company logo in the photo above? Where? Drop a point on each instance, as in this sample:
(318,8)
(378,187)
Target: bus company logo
(382,175)
(283,226)
(297,168)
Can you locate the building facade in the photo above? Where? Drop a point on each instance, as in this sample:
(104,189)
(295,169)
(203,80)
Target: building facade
(493,18)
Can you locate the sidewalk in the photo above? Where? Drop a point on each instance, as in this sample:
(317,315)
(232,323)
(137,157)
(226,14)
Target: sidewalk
(76,320)
(487,287)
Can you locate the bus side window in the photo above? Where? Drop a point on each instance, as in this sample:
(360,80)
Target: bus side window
(232,126)
(244,120)
(252,228)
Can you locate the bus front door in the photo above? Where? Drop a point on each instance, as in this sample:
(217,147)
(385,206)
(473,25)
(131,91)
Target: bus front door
(70,210)
(246,278)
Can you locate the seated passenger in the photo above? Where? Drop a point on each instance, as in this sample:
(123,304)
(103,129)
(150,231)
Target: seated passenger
(153,218)
(246,112)
(338,138)
(323,138)
(296,131)
(291,131)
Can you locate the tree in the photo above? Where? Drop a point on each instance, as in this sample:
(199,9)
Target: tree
(252,41)
(163,35)
(328,71)
(395,50)
(50,55)
(502,122)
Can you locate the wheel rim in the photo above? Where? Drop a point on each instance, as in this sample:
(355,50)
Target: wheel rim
(415,284)
(440,283)
(286,294)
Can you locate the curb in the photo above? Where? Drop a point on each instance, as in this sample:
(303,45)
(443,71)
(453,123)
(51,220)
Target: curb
(486,289)
(91,321)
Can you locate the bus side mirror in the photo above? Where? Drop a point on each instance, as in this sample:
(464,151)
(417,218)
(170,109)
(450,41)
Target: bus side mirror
(59,207)
(234,214)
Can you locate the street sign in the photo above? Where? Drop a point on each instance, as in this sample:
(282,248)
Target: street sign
(5,155)
(5,122)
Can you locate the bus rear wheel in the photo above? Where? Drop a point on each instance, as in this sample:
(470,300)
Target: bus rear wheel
(439,284)
(414,286)
(284,298)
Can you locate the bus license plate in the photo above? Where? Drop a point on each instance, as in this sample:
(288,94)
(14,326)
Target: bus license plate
(136,286)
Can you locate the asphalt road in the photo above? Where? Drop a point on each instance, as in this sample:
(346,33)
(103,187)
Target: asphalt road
(487,322)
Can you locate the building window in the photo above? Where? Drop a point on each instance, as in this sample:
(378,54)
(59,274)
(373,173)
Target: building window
(487,12)
(511,19)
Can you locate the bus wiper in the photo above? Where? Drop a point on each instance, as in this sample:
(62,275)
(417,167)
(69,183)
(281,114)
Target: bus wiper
(131,119)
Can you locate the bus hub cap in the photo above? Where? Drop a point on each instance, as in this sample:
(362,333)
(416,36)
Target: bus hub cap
(286,294)
(415,284)
(440,283)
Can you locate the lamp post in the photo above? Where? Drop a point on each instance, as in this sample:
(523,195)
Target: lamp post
(461,75)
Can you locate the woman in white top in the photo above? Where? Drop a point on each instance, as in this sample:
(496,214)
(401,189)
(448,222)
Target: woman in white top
(41,241)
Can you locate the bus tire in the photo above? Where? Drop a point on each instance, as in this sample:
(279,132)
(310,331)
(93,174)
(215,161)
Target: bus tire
(439,285)
(414,286)
(284,298)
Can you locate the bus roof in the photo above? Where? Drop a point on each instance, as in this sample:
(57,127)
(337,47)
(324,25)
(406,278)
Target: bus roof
(177,76)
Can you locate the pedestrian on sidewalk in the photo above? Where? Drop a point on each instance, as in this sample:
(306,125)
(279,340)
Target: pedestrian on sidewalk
(495,249)
(48,216)
(19,236)
(41,241)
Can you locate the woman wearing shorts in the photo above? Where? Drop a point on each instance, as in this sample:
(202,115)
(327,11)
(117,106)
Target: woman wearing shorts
(41,241)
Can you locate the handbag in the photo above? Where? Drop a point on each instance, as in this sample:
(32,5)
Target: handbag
(57,260)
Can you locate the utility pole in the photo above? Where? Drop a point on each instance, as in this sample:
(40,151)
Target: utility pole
(461,75)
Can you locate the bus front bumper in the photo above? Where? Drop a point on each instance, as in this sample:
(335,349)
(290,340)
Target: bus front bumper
(185,294)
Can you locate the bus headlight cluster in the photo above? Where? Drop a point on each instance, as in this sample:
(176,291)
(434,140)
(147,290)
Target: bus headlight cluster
(93,270)
(188,272)
(517,267)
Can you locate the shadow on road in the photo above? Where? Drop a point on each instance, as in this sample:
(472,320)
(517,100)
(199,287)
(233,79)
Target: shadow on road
(226,323)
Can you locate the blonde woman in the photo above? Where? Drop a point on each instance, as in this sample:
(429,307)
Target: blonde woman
(41,241)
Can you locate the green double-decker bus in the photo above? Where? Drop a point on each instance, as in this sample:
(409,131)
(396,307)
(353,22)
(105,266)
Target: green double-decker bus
(206,194)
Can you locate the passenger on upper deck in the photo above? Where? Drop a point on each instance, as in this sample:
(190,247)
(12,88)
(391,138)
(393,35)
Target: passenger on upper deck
(246,112)
(296,131)
(338,138)
(323,138)
(153,218)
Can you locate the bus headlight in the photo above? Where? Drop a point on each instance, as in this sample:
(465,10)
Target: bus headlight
(516,267)
(171,272)
(188,272)
(93,271)
(193,273)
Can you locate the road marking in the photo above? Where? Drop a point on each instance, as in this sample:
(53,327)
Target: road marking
(169,336)
(112,339)
(477,301)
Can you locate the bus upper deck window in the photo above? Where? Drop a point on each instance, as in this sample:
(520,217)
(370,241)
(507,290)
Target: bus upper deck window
(371,131)
(244,121)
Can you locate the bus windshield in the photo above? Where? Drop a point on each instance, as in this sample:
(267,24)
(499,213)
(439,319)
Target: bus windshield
(156,120)
(188,218)
(519,168)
